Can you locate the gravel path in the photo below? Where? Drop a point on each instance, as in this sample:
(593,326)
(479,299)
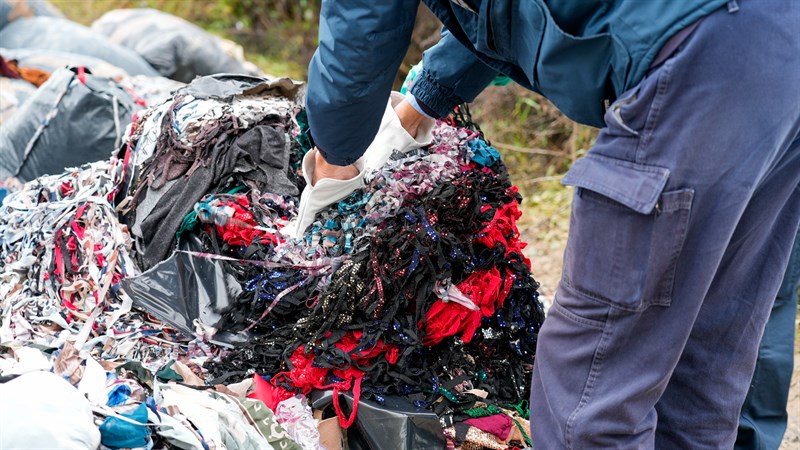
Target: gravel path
(791,440)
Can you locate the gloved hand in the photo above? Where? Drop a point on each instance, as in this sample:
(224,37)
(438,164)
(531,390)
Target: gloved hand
(393,136)
(318,194)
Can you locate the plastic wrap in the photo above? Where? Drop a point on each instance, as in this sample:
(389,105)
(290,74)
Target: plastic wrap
(70,120)
(52,60)
(11,10)
(395,425)
(182,50)
(13,94)
(183,289)
(53,33)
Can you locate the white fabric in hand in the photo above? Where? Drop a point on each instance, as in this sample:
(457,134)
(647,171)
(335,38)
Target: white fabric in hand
(392,136)
(317,197)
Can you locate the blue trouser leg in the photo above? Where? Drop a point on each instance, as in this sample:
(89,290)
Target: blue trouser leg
(681,229)
(763,420)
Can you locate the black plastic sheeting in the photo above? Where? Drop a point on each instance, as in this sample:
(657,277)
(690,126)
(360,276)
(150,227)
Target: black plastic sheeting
(53,33)
(395,425)
(225,86)
(183,288)
(65,123)
(176,48)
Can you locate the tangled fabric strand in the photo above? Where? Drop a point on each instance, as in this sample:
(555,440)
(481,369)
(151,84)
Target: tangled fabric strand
(414,286)
(435,284)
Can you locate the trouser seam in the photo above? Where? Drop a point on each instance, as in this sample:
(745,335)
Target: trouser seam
(662,84)
(594,374)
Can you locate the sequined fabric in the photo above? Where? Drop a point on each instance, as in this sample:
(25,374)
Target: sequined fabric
(413,286)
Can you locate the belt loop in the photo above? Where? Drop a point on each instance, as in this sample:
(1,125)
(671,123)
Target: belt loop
(733,6)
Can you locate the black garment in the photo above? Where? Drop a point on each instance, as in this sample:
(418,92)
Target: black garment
(259,158)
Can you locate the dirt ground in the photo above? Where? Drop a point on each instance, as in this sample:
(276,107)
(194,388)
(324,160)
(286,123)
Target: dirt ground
(546,235)
(791,440)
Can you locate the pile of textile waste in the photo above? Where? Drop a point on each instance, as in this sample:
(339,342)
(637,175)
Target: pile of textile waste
(160,285)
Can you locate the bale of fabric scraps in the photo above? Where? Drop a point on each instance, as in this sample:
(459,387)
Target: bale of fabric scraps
(13,94)
(72,119)
(52,60)
(216,132)
(182,50)
(11,10)
(57,34)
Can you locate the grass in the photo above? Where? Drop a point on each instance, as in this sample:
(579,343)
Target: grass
(282,49)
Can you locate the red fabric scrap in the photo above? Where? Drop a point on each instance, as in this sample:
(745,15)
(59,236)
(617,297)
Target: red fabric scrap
(268,393)
(67,189)
(240,229)
(498,424)
(487,289)
(502,230)
(445,319)
(306,376)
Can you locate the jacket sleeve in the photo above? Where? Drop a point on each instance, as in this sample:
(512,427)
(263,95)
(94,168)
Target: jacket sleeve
(451,75)
(361,45)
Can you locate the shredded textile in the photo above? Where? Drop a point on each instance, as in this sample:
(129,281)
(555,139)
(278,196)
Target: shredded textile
(414,286)
(435,284)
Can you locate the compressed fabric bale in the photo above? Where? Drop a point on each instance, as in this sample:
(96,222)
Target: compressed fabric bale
(11,10)
(182,50)
(72,119)
(13,94)
(51,60)
(53,33)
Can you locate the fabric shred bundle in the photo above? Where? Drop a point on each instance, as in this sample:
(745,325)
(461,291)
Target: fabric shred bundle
(63,250)
(196,144)
(414,287)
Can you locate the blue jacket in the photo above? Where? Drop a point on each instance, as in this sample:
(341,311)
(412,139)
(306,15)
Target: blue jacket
(580,54)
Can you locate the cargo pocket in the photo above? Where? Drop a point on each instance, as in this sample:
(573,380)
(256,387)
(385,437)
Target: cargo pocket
(626,233)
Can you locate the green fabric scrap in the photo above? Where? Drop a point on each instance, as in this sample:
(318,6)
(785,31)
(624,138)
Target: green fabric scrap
(167,374)
(269,427)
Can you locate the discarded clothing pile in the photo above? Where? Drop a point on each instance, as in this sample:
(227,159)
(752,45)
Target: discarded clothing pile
(63,255)
(193,312)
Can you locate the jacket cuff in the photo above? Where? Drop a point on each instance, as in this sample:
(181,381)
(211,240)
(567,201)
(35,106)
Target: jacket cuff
(420,107)
(438,98)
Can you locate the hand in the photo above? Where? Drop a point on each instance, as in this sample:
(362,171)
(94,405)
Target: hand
(322,169)
(402,129)
(409,117)
(325,184)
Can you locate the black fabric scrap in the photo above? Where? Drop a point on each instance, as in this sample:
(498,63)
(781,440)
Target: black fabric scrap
(258,157)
